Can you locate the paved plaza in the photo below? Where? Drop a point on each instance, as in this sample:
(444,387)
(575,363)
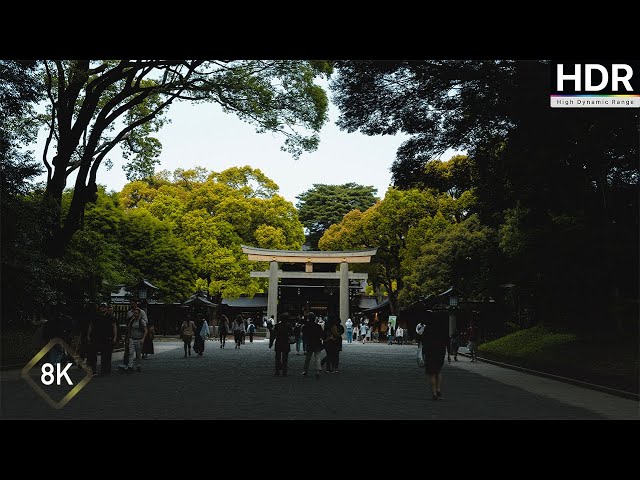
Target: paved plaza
(375,382)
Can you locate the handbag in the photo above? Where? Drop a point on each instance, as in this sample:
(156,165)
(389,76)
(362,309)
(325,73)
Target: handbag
(292,339)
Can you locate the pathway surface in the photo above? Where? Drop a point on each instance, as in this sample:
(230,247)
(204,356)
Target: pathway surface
(375,382)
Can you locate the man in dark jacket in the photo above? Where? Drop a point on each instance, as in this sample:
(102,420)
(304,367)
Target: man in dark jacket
(281,333)
(101,335)
(312,333)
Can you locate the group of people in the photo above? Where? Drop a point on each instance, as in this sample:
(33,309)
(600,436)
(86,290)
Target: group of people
(240,328)
(97,334)
(360,332)
(314,338)
(197,331)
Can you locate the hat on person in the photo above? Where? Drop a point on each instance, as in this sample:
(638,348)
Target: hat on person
(103,304)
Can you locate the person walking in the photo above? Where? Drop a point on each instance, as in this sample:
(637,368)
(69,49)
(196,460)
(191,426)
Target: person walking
(312,333)
(363,332)
(338,338)
(297,335)
(251,330)
(349,325)
(134,304)
(238,330)
(245,327)
(101,334)
(223,329)
(202,331)
(389,334)
(147,347)
(281,333)
(419,332)
(136,332)
(454,344)
(330,345)
(399,335)
(187,330)
(435,341)
(473,337)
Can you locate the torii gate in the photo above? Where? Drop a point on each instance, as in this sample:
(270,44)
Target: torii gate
(344,258)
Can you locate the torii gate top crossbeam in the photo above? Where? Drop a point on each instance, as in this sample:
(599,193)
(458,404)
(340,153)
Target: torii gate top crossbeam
(293,256)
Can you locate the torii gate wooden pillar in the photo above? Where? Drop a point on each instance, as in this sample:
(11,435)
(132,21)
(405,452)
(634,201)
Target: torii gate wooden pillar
(344,258)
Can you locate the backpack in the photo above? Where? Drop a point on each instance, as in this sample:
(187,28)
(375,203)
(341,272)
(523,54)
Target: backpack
(252,328)
(340,329)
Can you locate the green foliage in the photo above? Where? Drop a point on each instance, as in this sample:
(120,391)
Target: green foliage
(324,205)
(528,342)
(385,225)
(21,263)
(513,241)
(604,359)
(441,254)
(151,250)
(94,106)
(212,214)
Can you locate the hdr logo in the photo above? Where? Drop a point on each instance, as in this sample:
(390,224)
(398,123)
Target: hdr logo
(595,85)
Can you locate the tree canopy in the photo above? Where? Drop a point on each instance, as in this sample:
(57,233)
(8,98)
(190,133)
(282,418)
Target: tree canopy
(96,105)
(384,225)
(561,185)
(213,214)
(324,205)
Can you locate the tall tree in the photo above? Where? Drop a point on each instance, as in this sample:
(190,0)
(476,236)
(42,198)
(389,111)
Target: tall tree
(385,225)
(440,253)
(19,89)
(573,174)
(96,105)
(214,214)
(324,205)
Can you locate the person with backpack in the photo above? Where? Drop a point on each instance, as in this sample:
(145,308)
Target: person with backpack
(136,333)
(133,306)
(251,329)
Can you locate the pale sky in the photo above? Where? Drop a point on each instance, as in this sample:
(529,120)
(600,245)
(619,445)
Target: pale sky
(203,135)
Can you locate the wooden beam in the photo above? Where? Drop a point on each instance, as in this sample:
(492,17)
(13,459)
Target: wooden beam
(310,275)
(307,259)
